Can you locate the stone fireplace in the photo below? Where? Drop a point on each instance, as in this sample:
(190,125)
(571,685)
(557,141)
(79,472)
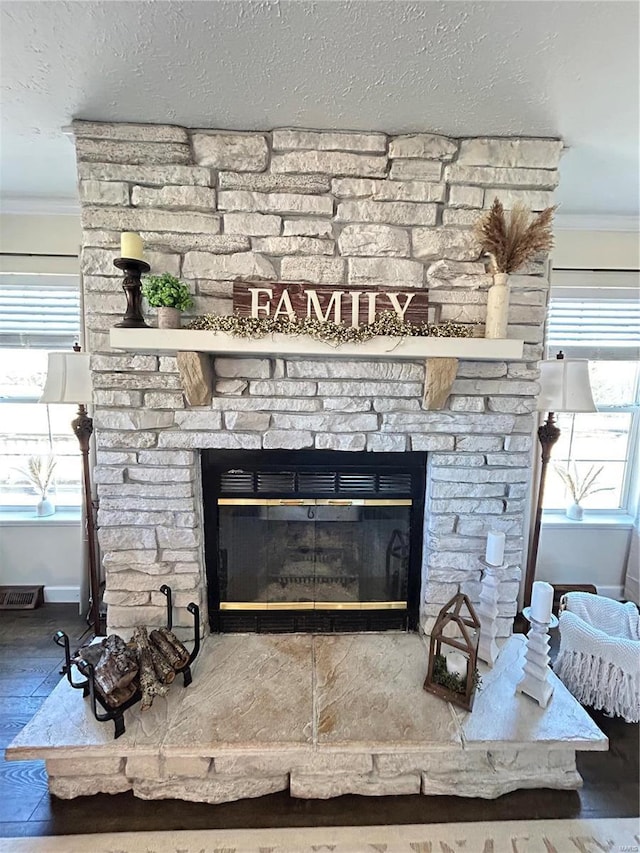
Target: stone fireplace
(350,209)
(310,480)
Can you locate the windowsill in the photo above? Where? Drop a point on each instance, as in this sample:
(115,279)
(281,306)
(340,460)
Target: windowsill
(593,519)
(67,517)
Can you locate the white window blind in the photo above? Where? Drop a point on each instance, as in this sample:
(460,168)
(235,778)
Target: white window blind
(595,322)
(39,311)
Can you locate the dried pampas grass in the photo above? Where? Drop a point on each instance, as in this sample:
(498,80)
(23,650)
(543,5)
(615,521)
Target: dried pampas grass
(582,487)
(510,241)
(39,472)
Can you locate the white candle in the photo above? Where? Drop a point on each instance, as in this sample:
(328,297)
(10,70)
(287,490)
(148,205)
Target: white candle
(131,246)
(456,664)
(495,548)
(542,602)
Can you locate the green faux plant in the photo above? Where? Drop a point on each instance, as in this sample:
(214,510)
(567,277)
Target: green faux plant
(166,291)
(450,680)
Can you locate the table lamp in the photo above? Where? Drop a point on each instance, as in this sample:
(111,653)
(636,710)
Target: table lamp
(69,381)
(564,387)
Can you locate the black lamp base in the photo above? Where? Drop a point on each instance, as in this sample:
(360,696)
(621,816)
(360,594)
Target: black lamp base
(548,435)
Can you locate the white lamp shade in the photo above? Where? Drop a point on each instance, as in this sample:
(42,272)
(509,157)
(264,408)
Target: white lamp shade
(68,378)
(565,386)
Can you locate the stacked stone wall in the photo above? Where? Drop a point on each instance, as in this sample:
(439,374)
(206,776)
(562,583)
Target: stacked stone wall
(347,209)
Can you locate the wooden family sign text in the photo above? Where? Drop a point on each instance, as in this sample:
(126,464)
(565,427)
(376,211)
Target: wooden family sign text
(353,307)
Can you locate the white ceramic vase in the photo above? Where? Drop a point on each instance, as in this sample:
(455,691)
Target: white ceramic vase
(497,307)
(575,512)
(44,507)
(168,318)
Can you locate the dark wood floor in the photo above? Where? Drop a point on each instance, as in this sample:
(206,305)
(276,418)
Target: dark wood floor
(29,665)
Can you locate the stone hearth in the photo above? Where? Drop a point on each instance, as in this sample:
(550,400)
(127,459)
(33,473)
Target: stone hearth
(320,716)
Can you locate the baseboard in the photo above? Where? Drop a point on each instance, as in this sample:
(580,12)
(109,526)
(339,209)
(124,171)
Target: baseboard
(615,592)
(61,594)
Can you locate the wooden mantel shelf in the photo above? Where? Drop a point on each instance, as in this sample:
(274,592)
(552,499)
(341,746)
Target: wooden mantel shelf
(440,355)
(221,343)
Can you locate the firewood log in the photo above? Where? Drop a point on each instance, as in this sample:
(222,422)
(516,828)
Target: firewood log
(90,653)
(170,637)
(121,695)
(117,666)
(167,650)
(149,684)
(163,668)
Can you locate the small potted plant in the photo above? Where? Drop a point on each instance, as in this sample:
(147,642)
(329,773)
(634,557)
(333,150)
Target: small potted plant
(580,487)
(169,295)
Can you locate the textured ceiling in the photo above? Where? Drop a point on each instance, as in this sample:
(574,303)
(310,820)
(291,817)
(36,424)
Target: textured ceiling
(540,68)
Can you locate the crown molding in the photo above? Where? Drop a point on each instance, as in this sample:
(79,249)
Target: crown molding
(595,222)
(39,206)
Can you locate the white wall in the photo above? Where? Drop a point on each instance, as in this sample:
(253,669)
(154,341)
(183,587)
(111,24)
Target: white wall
(596,250)
(589,552)
(47,550)
(40,234)
(594,553)
(632,575)
(44,551)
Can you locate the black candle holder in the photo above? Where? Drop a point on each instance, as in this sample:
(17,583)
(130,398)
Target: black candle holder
(133,269)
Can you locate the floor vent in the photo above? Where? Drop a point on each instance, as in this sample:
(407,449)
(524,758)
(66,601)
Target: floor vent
(21,597)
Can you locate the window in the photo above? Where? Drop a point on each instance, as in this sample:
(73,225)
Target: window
(37,314)
(597,316)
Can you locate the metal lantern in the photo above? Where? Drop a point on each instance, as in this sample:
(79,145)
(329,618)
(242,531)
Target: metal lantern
(453,653)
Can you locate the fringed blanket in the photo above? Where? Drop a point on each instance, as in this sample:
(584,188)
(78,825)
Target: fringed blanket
(601,665)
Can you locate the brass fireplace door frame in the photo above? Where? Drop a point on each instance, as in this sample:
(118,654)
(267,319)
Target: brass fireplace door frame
(313,605)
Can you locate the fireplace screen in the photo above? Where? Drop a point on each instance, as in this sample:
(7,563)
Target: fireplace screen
(313,554)
(333,551)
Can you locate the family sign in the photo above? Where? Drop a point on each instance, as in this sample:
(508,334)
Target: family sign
(298,300)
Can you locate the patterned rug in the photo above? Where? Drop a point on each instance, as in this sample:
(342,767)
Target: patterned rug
(536,836)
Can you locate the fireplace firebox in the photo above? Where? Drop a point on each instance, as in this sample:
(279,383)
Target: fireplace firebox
(313,540)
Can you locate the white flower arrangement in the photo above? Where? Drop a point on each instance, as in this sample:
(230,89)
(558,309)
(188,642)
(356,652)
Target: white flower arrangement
(39,472)
(581,487)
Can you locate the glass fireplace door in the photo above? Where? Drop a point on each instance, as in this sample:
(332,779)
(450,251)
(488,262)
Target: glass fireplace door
(313,554)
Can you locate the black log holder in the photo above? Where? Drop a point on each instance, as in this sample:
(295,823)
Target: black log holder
(88,686)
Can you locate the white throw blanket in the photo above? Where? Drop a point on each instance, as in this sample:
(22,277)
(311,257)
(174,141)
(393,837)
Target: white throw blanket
(599,658)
